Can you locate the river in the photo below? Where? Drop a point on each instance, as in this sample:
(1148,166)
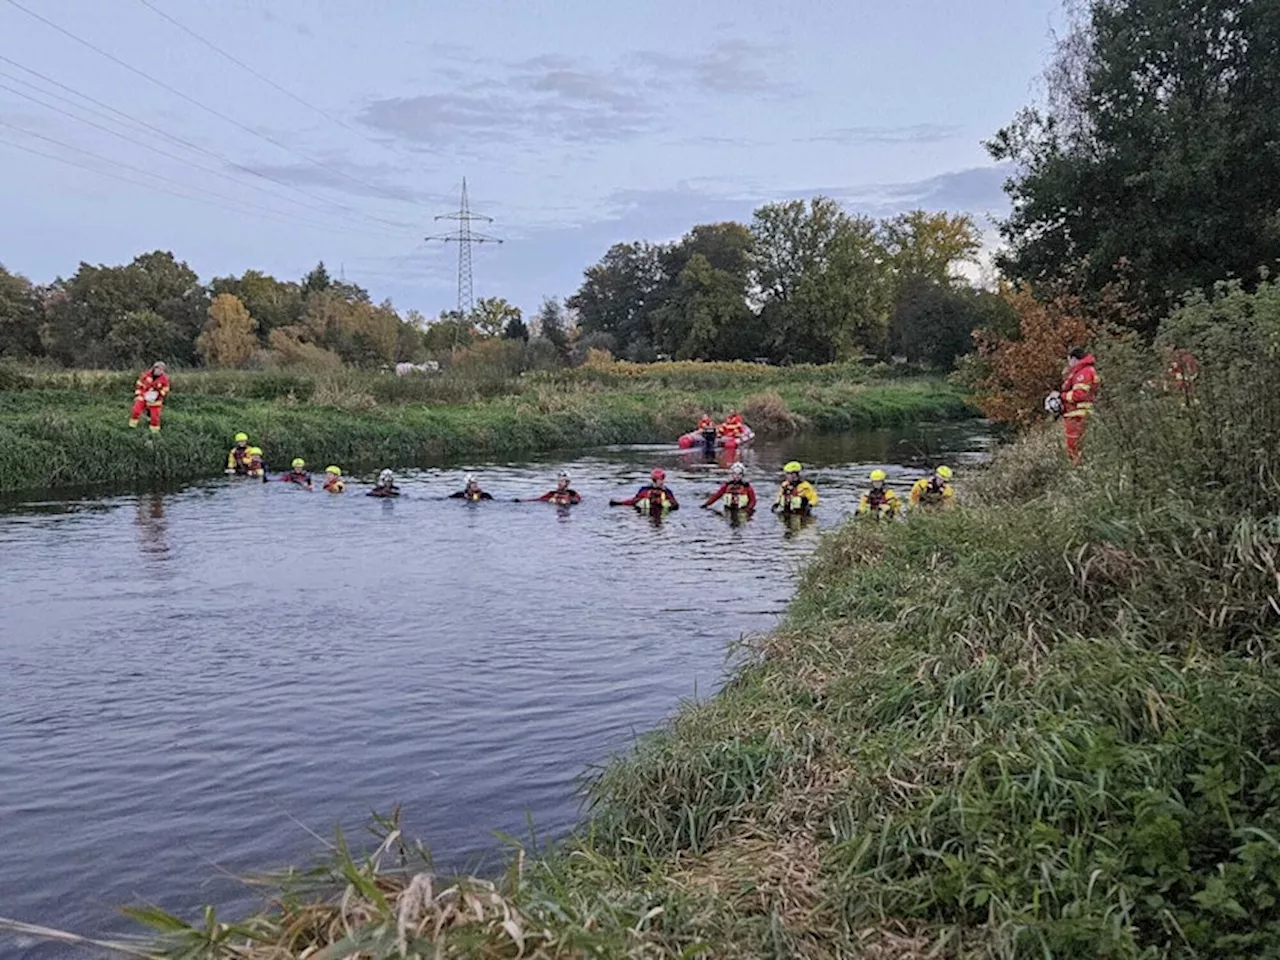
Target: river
(192,680)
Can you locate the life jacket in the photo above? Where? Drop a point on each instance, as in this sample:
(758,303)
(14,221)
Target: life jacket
(297,476)
(335,484)
(736,498)
(647,496)
(239,458)
(254,467)
(391,491)
(564,498)
(792,499)
(877,500)
(1080,389)
(148,382)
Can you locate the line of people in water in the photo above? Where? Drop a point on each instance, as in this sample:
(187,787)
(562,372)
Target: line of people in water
(796,496)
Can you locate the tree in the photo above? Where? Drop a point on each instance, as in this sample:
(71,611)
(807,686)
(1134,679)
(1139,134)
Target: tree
(448,332)
(84,310)
(272,303)
(934,322)
(491,315)
(141,337)
(929,245)
(516,329)
(619,293)
(706,316)
(821,279)
(21,316)
(229,337)
(1017,373)
(1155,146)
(551,325)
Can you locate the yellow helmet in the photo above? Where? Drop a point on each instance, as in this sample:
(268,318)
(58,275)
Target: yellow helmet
(336,471)
(298,463)
(944,472)
(792,467)
(242,438)
(256,451)
(878,475)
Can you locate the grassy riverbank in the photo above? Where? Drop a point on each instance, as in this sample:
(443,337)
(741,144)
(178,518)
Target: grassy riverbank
(60,429)
(1044,725)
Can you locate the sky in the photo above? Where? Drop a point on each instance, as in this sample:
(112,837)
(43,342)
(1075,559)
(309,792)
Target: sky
(273,134)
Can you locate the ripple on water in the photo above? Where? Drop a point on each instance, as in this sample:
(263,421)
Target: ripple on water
(189,679)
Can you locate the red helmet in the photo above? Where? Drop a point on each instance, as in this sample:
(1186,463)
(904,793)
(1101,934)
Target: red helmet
(658,474)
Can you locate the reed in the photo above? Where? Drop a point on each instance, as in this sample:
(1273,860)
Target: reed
(60,430)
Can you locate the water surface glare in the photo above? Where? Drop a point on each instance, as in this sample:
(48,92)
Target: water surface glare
(190,678)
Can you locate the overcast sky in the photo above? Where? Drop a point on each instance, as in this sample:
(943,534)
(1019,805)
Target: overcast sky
(577,124)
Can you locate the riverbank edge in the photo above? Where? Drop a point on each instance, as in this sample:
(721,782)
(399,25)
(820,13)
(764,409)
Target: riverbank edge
(52,439)
(1000,731)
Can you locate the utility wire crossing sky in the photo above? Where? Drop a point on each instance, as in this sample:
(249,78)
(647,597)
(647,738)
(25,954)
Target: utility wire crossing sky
(263,134)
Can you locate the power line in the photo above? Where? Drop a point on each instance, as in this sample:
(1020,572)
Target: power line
(163,153)
(189,144)
(464,238)
(192,100)
(204,196)
(264,78)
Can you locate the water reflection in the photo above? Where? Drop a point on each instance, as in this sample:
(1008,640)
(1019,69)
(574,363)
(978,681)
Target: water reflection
(152,528)
(469,663)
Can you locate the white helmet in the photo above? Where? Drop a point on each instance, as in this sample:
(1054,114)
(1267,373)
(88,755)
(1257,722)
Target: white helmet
(385,477)
(1053,403)
(738,468)
(470,479)
(562,475)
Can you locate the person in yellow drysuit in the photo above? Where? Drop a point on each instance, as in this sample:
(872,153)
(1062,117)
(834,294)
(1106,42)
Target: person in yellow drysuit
(880,502)
(796,496)
(934,493)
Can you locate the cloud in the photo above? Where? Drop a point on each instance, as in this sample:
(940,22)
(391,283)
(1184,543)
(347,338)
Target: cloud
(733,67)
(909,133)
(563,97)
(977,189)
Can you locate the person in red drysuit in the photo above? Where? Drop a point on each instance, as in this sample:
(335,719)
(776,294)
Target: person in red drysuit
(1181,374)
(733,428)
(149,394)
(653,497)
(738,494)
(562,495)
(1079,393)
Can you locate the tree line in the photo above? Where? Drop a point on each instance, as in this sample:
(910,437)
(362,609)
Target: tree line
(156,307)
(804,282)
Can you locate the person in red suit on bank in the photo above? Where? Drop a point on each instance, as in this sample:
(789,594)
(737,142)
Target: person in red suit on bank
(149,394)
(1079,393)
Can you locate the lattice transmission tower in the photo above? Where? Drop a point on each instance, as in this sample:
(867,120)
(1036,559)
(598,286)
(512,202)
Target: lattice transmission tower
(464,237)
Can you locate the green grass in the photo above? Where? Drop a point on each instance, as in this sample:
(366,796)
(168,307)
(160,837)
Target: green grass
(69,429)
(1046,724)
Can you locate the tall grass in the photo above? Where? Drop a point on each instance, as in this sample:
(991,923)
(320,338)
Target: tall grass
(1043,725)
(76,435)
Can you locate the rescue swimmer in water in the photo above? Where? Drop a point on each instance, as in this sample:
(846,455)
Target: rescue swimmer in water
(333,481)
(935,492)
(386,486)
(737,492)
(796,496)
(653,498)
(471,491)
(563,495)
(880,502)
(298,474)
(238,457)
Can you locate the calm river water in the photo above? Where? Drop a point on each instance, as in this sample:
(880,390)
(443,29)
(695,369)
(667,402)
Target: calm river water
(190,678)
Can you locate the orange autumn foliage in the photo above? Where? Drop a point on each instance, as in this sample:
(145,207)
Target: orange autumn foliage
(1018,374)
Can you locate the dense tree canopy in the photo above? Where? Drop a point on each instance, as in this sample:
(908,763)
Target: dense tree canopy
(1154,158)
(806,281)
